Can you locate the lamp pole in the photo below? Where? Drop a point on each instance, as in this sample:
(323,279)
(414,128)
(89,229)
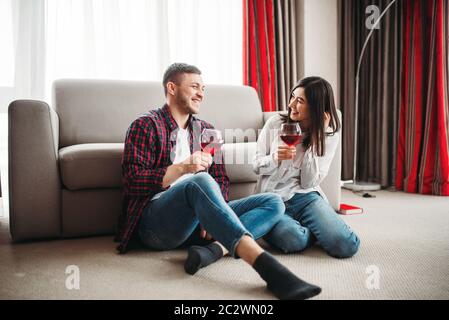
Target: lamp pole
(363,186)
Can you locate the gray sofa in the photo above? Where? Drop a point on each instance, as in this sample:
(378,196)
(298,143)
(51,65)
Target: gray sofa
(65,160)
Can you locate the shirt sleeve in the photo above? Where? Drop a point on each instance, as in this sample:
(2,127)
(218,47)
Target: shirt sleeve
(141,177)
(263,162)
(314,168)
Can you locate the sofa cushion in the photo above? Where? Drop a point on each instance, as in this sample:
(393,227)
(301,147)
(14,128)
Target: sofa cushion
(238,158)
(92,165)
(98,165)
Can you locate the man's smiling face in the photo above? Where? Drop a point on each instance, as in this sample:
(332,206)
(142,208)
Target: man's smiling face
(189,93)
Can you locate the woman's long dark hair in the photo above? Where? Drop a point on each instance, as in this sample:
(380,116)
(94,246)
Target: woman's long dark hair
(320,99)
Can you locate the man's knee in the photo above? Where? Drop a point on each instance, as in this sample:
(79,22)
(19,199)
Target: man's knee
(202,179)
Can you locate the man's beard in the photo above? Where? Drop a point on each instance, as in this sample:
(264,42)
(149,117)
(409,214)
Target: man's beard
(185,104)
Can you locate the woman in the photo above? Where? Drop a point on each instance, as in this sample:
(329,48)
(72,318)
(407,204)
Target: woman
(295,173)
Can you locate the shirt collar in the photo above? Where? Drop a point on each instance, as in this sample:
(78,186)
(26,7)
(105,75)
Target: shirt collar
(171,122)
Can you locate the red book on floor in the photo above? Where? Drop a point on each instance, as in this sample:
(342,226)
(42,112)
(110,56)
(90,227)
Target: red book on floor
(348,209)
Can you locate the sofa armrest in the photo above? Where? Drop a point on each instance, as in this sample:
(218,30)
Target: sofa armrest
(34,182)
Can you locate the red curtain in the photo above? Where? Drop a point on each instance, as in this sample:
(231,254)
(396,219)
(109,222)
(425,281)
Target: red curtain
(423,145)
(259,65)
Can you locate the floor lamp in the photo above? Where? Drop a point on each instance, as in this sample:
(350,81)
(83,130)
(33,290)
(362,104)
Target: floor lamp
(359,185)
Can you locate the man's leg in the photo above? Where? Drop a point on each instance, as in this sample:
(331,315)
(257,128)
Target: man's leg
(202,194)
(170,220)
(258,213)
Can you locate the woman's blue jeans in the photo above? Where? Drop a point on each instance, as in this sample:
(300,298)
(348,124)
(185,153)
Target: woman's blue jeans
(308,218)
(172,219)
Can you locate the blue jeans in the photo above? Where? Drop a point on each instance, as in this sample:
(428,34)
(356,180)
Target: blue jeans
(308,218)
(171,220)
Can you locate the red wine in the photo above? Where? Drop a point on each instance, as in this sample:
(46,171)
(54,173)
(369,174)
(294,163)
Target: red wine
(291,139)
(211,147)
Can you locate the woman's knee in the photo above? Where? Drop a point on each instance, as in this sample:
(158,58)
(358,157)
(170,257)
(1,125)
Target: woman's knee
(343,247)
(335,236)
(275,203)
(289,236)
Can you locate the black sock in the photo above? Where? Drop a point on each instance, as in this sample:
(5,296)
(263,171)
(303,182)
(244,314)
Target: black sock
(199,257)
(283,283)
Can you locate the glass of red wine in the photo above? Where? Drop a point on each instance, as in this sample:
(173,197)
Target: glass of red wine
(211,141)
(291,134)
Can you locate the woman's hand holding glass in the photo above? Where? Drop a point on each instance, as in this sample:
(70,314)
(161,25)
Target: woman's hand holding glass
(291,135)
(284,153)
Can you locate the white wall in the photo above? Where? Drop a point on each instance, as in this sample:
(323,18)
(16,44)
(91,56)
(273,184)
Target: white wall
(320,40)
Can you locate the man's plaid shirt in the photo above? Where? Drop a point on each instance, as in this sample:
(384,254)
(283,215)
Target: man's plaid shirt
(149,150)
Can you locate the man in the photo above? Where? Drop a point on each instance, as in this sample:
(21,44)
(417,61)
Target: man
(171,191)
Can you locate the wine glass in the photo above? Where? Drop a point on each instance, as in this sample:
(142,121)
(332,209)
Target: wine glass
(291,134)
(211,141)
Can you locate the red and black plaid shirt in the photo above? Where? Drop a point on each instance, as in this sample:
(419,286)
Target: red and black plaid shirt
(149,149)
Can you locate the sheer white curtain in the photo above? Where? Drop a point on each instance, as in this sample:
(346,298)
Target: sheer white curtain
(43,40)
(138,39)
(22,43)
(6,41)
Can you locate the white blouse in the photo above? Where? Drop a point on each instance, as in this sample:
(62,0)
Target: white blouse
(303,174)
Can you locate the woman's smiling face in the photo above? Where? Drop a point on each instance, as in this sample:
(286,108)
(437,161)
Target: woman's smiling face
(298,105)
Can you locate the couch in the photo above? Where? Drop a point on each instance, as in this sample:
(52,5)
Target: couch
(65,160)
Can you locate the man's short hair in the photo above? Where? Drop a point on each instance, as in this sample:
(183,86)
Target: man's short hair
(175,71)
